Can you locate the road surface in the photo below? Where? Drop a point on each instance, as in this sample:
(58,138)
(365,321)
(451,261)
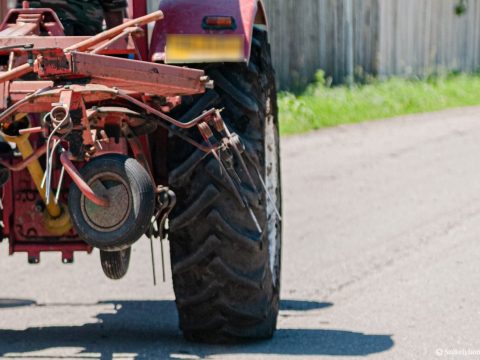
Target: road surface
(381,258)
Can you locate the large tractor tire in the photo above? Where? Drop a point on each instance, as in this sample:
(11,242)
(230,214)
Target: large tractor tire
(226,273)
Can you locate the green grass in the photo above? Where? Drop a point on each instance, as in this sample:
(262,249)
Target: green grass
(321,105)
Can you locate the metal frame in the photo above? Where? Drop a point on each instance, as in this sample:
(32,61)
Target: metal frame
(76,76)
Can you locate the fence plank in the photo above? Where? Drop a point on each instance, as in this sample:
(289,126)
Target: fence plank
(390,37)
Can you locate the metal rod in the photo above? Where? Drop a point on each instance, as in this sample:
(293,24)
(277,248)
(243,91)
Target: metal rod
(106,35)
(165,117)
(82,185)
(153,258)
(59,186)
(126,32)
(15,73)
(18,105)
(50,169)
(31,130)
(22,165)
(35,170)
(163,257)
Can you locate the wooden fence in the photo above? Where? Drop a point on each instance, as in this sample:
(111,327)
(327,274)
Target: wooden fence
(379,37)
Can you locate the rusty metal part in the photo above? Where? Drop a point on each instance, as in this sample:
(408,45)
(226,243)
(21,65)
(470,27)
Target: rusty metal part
(61,119)
(218,122)
(61,42)
(101,92)
(125,74)
(136,147)
(106,35)
(53,234)
(127,32)
(43,19)
(21,103)
(84,45)
(51,63)
(174,132)
(43,94)
(205,131)
(16,73)
(11,48)
(82,185)
(188,125)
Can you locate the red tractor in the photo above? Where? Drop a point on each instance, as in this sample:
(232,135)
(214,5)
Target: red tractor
(104,140)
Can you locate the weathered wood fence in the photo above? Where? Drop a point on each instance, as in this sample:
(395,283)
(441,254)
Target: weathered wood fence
(379,37)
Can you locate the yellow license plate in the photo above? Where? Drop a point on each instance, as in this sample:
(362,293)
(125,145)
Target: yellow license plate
(204,48)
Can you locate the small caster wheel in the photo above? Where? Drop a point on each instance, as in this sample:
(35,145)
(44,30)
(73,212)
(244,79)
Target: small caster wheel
(131,194)
(115,263)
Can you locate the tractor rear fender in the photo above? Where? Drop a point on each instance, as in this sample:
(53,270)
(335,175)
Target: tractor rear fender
(184,36)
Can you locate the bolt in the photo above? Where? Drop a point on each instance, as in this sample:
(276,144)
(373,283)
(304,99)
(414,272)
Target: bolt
(39,207)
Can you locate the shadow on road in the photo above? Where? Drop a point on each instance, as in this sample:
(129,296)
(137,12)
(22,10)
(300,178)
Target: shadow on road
(149,330)
(9,303)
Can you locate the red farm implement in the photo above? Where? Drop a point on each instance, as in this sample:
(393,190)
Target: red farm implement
(100,148)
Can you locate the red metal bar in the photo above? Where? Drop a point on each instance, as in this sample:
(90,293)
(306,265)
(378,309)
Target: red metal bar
(23,164)
(188,125)
(137,149)
(82,185)
(147,77)
(61,42)
(85,44)
(124,35)
(16,73)
(41,101)
(28,87)
(106,35)
(31,130)
(138,8)
(33,247)
(48,19)
(20,29)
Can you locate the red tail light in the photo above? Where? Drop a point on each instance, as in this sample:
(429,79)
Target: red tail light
(219,23)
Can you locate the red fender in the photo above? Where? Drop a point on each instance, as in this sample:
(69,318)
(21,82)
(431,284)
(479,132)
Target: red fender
(186,17)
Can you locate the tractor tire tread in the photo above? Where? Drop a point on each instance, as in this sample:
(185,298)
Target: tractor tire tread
(221,275)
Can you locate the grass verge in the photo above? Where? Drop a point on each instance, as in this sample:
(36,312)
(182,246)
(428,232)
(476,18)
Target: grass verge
(321,105)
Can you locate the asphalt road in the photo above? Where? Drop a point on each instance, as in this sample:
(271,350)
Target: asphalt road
(381,259)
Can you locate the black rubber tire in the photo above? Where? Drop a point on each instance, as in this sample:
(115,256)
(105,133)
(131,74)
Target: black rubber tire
(141,193)
(221,269)
(115,263)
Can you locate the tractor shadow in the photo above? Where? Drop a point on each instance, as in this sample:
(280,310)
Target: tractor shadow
(149,330)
